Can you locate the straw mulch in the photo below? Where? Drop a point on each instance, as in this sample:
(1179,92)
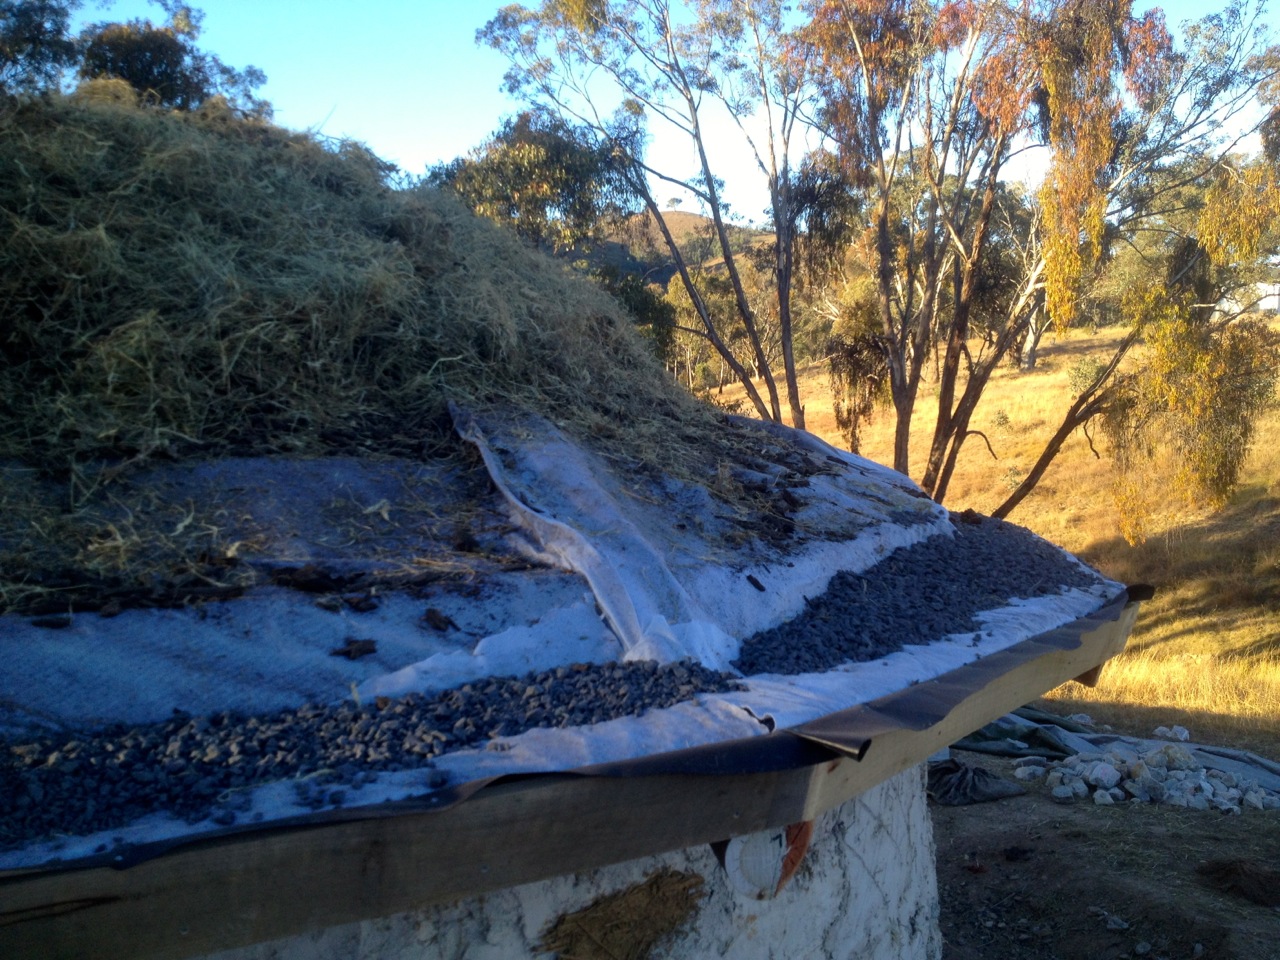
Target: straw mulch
(195,285)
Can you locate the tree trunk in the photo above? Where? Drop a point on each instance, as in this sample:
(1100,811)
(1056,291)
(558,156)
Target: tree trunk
(1077,415)
(1085,407)
(783,249)
(705,316)
(745,312)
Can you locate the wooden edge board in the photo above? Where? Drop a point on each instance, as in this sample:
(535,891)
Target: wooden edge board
(244,889)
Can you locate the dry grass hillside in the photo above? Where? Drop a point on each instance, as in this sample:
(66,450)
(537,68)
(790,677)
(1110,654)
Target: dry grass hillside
(1206,650)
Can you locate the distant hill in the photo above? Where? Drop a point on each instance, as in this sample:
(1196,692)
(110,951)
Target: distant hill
(637,246)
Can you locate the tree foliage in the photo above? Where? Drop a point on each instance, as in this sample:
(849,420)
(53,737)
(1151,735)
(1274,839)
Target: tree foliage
(35,43)
(1088,52)
(543,177)
(164,64)
(655,317)
(1181,424)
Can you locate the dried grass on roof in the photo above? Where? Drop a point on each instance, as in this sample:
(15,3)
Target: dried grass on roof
(178,286)
(201,284)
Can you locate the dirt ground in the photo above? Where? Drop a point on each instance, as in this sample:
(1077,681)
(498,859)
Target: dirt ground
(1032,879)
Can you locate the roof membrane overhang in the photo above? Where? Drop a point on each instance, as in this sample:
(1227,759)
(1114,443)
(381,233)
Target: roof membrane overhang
(178,899)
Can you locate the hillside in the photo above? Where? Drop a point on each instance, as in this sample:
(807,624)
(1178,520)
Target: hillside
(637,245)
(1206,651)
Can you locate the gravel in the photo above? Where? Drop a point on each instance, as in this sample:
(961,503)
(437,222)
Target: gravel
(194,766)
(190,765)
(914,596)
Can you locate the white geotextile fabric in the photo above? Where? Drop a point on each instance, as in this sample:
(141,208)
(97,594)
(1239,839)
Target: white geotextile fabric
(646,575)
(665,578)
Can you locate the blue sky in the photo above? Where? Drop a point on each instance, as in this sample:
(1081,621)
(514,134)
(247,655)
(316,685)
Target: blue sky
(406,77)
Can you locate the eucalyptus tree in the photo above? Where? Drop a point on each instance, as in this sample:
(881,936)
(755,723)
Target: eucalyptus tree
(543,178)
(927,102)
(620,68)
(1170,165)
(36,46)
(165,65)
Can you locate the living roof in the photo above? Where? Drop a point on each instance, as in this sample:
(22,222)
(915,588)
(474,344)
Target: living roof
(197,285)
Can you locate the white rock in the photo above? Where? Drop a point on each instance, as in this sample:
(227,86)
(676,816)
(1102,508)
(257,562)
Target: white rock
(1137,790)
(1121,755)
(1028,773)
(1173,757)
(1224,806)
(1082,718)
(1103,798)
(1197,801)
(1117,794)
(1271,801)
(1079,788)
(1225,777)
(1063,794)
(1255,799)
(1100,774)
(1054,779)
(1172,733)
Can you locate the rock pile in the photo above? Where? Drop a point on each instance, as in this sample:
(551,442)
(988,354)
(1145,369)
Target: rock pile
(1169,774)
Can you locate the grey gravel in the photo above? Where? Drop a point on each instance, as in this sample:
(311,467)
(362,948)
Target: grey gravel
(191,765)
(188,765)
(914,596)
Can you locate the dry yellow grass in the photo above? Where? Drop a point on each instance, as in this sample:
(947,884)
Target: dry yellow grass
(1206,651)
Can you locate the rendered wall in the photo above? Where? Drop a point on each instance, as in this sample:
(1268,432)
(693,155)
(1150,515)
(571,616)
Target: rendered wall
(866,889)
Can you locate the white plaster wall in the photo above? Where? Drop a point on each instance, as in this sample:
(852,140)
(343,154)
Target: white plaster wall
(867,889)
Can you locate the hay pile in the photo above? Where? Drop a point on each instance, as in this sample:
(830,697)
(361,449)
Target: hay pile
(194,283)
(178,286)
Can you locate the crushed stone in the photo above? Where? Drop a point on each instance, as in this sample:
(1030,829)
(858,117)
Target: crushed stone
(192,766)
(914,596)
